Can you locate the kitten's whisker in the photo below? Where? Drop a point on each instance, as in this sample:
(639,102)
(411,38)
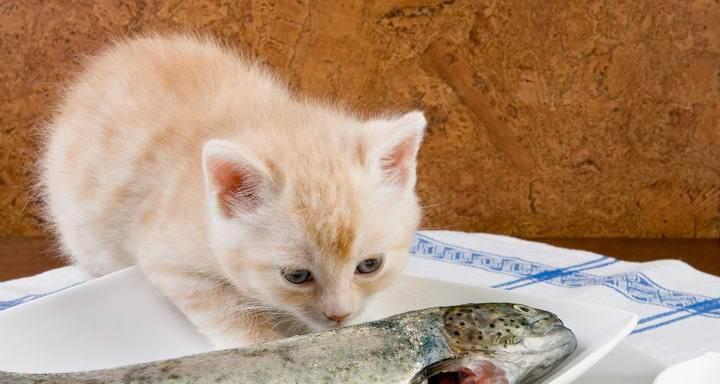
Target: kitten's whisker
(299,328)
(437,204)
(249,308)
(445,228)
(287,320)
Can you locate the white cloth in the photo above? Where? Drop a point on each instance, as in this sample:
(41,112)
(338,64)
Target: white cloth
(679,307)
(16,292)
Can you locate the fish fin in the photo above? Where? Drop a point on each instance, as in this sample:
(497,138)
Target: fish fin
(447,365)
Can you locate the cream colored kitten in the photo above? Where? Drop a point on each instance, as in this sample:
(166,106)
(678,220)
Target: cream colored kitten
(240,202)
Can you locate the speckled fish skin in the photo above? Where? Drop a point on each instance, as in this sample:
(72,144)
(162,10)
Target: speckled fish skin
(510,343)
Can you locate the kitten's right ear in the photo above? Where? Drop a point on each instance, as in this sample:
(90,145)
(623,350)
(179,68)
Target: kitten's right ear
(395,145)
(235,179)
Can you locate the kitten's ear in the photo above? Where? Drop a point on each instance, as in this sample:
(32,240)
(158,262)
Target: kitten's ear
(234,177)
(395,146)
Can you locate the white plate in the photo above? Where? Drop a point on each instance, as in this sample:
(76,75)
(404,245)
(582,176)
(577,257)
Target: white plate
(121,319)
(624,365)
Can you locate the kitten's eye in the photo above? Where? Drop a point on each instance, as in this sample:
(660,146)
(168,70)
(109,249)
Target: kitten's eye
(370,265)
(296,276)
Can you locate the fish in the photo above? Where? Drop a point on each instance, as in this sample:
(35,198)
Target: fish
(485,343)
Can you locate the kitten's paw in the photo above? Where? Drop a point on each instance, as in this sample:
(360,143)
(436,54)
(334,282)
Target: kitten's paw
(241,337)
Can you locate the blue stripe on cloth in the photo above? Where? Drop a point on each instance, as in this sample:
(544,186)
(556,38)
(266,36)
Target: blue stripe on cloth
(21,300)
(699,309)
(539,275)
(635,286)
(559,273)
(701,306)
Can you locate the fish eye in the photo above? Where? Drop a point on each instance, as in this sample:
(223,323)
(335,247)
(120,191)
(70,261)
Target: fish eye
(524,309)
(296,276)
(370,265)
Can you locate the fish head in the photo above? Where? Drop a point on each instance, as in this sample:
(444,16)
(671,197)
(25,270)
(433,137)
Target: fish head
(504,342)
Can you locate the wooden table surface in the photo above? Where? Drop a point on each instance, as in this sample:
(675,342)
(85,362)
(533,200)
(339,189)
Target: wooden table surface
(26,256)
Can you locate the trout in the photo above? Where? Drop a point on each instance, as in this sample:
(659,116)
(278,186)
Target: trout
(489,343)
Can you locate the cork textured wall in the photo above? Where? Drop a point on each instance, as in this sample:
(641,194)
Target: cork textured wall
(560,118)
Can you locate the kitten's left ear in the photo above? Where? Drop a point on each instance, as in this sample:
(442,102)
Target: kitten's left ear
(395,147)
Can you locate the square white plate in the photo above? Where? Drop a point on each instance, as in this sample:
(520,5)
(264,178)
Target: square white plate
(121,319)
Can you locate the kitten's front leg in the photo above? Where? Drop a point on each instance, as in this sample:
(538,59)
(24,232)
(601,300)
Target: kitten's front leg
(216,307)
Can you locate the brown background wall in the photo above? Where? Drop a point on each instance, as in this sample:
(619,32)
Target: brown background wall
(560,118)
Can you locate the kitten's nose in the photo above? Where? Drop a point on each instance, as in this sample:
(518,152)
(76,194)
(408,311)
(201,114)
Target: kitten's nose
(337,316)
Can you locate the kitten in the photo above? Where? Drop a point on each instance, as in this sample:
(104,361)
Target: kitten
(246,206)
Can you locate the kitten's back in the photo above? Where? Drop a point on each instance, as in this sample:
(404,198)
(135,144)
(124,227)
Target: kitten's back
(123,151)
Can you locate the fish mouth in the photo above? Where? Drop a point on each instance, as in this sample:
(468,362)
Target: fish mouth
(562,339)
(462,371)
(565,341)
